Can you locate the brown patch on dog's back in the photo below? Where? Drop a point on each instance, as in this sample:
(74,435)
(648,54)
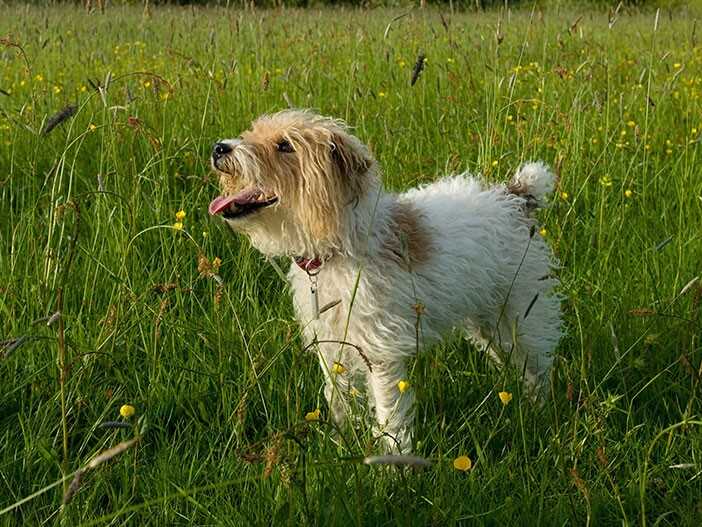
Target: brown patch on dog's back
(410,242)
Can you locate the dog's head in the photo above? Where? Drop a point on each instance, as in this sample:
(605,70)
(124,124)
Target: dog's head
(290,181)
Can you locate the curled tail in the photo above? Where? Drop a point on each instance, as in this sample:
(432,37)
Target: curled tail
(533,181)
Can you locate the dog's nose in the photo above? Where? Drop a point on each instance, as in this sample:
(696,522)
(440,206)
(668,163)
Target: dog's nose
(220,149)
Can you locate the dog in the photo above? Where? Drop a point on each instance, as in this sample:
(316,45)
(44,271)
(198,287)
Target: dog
(375,276)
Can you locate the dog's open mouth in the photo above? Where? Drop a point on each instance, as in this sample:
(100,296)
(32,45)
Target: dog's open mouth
(241,204)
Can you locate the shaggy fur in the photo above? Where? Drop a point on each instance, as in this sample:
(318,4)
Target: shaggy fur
(454,254)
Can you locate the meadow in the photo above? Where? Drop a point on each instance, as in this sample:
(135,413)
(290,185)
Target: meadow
(180,319)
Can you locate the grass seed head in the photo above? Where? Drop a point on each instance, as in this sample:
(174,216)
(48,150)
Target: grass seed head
(59,118)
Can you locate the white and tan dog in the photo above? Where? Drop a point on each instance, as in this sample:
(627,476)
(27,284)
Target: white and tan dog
(392,273)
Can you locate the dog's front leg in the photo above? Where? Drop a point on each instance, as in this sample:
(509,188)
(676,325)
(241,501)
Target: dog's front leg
(336,386)
(394,407)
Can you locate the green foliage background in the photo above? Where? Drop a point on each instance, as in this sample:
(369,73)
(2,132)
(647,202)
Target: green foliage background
(215,367)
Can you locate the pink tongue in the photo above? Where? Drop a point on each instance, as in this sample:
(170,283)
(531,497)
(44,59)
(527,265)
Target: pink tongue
(221,203)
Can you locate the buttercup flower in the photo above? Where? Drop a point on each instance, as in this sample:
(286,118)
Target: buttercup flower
(543,231)
(126,411)
(178,226)
(314,415)
(180,215)
(462,463)
(403,386)
(628,193)
(505,397)
(338,368)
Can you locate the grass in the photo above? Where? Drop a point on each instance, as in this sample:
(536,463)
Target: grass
(216,371)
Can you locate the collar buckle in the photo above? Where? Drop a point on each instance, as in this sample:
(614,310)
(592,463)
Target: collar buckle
(311,266)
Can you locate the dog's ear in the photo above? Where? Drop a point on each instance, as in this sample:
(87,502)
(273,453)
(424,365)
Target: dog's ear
(350,156)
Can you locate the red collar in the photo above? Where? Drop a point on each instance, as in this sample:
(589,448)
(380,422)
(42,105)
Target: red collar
(308,265)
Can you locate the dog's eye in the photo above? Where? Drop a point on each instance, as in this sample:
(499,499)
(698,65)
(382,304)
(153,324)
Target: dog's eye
(284,146)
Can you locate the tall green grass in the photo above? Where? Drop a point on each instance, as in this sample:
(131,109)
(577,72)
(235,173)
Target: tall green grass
(216,370)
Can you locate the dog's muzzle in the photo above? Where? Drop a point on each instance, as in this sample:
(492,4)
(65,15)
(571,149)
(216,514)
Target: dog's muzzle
(220,150)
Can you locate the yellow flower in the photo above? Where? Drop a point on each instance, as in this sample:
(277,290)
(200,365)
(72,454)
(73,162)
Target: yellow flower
(92,127)
(403,386)
(180,215)
(39,78)
(57,89)
(126,411)
(314,415)
(606,181)
(178,226)
(401,63)
(677,65)
(338,368)
(216,263)
(381,94)
(543,231)
(505,397)
(628,193)
(631,124)
(462,463)
(147,84)
(564,195)
(495,163)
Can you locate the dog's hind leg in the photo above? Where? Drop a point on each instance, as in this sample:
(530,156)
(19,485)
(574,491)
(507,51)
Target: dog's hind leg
(505,346)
